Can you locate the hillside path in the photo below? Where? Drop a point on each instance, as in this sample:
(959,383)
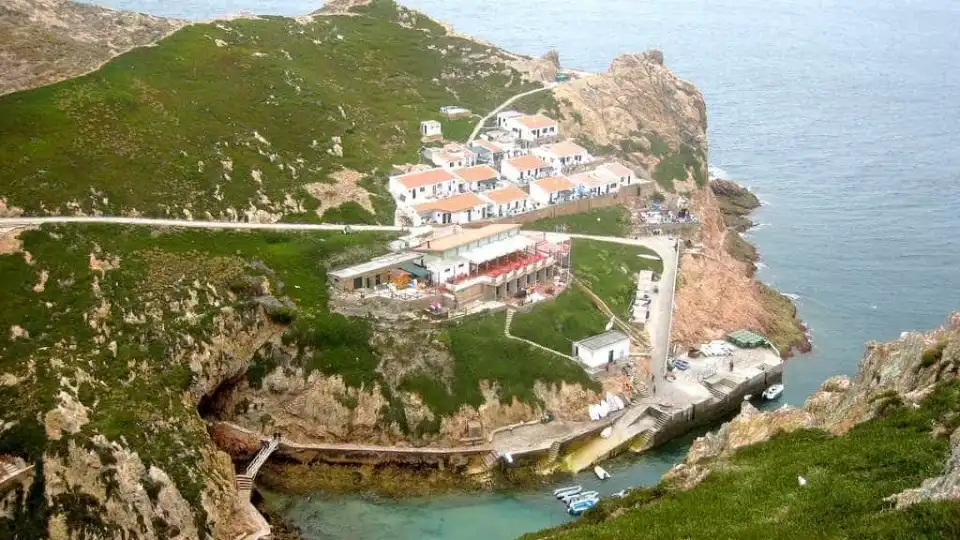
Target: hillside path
(505,104)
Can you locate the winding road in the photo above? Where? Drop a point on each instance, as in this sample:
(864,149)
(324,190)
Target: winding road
(505,104)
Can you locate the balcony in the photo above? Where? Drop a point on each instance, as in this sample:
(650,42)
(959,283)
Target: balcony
(499,272)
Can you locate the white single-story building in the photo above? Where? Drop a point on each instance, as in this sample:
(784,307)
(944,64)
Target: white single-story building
(424,185)
(431,128)
(478,177)
(532,127)
(494,152)
(523,169)
(620,173)
(552,190)
(563,154)
(507,201)
(504,116)
(598,351)
(451,156)
(462,208)
(593,185)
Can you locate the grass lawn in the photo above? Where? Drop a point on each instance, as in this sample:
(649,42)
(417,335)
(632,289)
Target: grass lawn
(608,269)
(483,353)
(609,221)
(556,324)
(756,495)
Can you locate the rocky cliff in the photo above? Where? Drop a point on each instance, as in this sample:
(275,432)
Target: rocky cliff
(45,41)
(899,373)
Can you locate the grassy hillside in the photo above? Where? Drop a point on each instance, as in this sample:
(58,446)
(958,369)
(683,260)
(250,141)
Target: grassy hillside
(609,221)
(755,494)
(105,329)
(225,119)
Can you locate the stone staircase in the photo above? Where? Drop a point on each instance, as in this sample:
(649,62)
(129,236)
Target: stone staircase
(506,327)
(490,459)
(641,441)
(244,484)
(7,469)
(660,418)
(721,390)
(639,387)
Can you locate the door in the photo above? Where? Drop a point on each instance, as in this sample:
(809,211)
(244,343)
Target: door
(358,283)
(610,355)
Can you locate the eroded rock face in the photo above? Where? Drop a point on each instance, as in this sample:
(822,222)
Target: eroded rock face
(45,41)
(900,369)
(638,94)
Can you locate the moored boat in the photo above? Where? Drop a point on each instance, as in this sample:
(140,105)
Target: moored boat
(601,472)
(569,490)
(773,392)
(582,506)
(582,496)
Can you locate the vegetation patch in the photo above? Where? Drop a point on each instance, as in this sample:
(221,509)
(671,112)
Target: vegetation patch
(607,269)
(677,165)
(609,221)
(557,324)
(230,117)
(933,355)
(780,325)
(755,493)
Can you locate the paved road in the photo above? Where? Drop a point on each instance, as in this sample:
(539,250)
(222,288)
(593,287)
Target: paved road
(153,222)
(661,308)
(476,130)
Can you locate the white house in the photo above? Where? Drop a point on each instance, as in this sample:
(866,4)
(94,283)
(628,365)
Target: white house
(598,351)
(507,201)
(532,127)
(431,128)
(494,152)
(505,116)
(563,155)
(462,208)
(552,190)
(478,177)
(622,175)
(523,169)
(451,156)
(594,185)
(424,185)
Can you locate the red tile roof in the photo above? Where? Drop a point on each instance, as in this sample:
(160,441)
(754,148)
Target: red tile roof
(477,173)
(425,178)
(528,162)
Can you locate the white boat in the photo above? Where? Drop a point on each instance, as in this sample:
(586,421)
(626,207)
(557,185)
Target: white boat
(582,506)
(582,497)
(601,472)
(569,490)
(579,495)
(606,433)
(773,392)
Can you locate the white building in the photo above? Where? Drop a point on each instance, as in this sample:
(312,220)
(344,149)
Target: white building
(478,177)
(462,208)
(451,156)
(504,116)
(563,155)
(507,201)
(552,190)
(622,175)
(431,128)
(591,184)
(532,127)
(598,351)
(494,151)
(523,169)
(424,185)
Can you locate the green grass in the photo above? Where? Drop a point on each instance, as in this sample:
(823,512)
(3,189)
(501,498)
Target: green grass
(482,353)
(150,129)
(139,384)
(558,323)
(541,102)
(755,493)
(459,129)
(675,165)
(609,221)
(607,269)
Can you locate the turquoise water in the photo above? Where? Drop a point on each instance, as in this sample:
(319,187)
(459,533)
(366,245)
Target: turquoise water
(841,115)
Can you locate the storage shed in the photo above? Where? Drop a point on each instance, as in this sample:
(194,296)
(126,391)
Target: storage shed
(598,351)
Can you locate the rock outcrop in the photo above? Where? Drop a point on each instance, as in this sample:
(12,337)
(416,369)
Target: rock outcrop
(45,41)
(638,95)
(902,371)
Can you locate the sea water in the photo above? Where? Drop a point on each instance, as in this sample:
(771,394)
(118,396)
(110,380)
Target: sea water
(841,114)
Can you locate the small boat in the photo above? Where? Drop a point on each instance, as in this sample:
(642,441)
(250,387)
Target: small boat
(606,433)
(582,506)
(582,497)
(601,472)
(569,490)
(773,392)
(621,494)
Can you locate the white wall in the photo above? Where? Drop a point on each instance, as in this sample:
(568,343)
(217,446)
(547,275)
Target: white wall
(600,357)
(539,195)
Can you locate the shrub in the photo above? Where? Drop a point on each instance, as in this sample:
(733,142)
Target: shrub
(933,355)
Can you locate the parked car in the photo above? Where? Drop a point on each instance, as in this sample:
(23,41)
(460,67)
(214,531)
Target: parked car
(681,364)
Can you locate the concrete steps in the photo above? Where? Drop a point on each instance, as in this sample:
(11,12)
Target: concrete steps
(506,327)
(490,459)
(642,441)
(244,483)
(554,452)
(254,467)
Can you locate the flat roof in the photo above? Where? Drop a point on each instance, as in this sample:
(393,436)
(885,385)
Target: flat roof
(467,236)
(477,173)
(603,340)
(565,149)
(457,203)
(506,195)
(387,261)
(587,179)
(554,184)
(425,178)
(617,169)
(528,162)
